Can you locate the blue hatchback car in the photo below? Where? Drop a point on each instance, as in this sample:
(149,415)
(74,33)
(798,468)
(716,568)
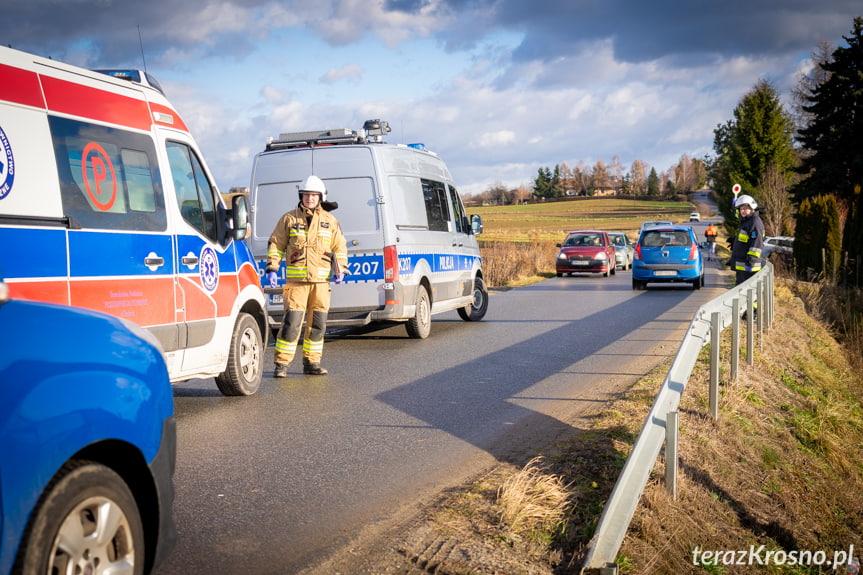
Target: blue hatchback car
(667,254)
(88,440)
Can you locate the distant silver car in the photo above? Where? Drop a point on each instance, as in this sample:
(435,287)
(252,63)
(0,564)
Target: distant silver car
(782,246)
(623,249)
(694,217)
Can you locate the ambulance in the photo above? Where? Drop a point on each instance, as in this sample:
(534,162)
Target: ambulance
(412,249)
(106,203)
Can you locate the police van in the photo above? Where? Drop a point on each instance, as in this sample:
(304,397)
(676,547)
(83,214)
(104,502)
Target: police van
(412,249)
(107,204)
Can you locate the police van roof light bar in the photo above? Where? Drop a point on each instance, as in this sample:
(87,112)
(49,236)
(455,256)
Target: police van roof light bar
(373,131)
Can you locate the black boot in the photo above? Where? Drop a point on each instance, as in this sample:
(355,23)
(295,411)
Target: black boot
(313,368)
(281,370)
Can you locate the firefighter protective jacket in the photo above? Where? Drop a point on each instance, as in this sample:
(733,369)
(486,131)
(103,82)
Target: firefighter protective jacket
(746,252)
(308,240)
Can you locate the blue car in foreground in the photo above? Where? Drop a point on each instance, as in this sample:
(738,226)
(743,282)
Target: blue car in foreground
(87,443)
(667,254)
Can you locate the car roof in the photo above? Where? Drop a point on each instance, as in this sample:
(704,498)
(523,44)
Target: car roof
(586,232)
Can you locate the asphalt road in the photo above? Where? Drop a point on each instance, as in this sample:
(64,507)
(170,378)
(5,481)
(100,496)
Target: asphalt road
(277,482)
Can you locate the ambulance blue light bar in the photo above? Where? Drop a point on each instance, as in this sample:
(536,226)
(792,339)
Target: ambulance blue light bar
(131,75)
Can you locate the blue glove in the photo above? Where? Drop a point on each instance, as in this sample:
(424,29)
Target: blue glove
(339,278)
(273,278)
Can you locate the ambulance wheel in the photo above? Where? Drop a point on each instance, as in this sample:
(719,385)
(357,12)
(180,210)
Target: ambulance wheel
(243,374)
(476,311)
(87,519)
(419,326)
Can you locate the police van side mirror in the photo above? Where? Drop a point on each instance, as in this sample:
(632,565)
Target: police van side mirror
(239,217)
(476,224)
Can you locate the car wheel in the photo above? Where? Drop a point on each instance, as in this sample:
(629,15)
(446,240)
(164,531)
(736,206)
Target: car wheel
(636,284)
(87,521)
(419,326)
(697,282)
(476,311)
(613,270)
(243,374)
(559,274)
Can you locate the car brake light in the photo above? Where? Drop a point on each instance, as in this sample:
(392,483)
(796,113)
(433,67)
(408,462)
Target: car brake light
(391,264)
(637,253)
(693,251)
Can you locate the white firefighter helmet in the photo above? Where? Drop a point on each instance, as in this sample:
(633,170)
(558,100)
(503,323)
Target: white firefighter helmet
(314,185)
(745,199)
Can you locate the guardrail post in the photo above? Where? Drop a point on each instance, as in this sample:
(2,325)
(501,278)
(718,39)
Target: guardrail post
(760,310)
(671,453)
(735,337)
(714,364)
(750,326)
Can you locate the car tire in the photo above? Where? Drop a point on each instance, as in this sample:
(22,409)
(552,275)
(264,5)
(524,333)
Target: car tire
(419,326)
(244,371)
(698,282)
(559,274)
(636,284)
(476,311)
(93,512)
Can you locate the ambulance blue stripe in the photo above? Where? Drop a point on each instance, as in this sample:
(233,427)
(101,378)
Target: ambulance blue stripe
(37,252)
(98,254)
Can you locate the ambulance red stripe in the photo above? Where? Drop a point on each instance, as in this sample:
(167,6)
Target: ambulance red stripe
(20,86)
(86,102)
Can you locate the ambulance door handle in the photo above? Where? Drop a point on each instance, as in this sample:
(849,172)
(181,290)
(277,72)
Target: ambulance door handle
(190,261)
(154,261)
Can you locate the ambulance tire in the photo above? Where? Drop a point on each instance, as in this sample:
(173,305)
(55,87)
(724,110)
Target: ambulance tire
(243,374)
(476,311)
(419,326)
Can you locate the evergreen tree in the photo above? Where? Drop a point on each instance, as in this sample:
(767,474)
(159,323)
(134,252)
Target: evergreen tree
(760,135)
(817,244)
(835,165)
(653,183)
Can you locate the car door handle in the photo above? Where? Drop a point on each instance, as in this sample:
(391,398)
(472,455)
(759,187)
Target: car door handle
(190,260)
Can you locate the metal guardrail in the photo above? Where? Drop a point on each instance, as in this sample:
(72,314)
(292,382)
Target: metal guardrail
(706,326)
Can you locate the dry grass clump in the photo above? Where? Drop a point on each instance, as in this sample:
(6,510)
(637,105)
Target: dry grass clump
(533,500)
(509,263)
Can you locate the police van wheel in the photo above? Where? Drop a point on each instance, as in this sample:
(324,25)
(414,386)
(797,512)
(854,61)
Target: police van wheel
(476,311)
(243,374)
(419,326)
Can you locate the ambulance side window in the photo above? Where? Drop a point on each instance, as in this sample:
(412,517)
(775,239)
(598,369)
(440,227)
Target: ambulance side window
(193,189)
(434,194)
(109,178)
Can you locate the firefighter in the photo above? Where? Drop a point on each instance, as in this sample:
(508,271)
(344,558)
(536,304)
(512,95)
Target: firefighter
(710,235)
(311,241)
(746,250)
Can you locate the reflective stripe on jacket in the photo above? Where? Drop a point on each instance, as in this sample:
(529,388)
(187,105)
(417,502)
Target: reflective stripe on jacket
(307,240)
(746,252)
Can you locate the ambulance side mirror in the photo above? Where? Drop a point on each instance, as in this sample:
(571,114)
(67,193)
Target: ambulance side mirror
(239,218)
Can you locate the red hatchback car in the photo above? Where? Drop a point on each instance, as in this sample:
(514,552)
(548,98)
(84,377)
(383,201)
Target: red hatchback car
(586,251)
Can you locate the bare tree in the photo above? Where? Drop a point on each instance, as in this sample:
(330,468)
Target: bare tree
(600,176)
(773,189)
(638,177)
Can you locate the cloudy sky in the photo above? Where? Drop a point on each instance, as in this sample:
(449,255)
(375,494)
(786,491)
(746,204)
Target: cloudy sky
(498,88)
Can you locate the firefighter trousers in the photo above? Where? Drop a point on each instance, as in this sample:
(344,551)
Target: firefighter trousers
(307,302)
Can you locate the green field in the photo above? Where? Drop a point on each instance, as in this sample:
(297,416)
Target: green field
(552,220)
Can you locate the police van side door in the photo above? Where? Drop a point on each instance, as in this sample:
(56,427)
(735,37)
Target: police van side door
(464,243)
